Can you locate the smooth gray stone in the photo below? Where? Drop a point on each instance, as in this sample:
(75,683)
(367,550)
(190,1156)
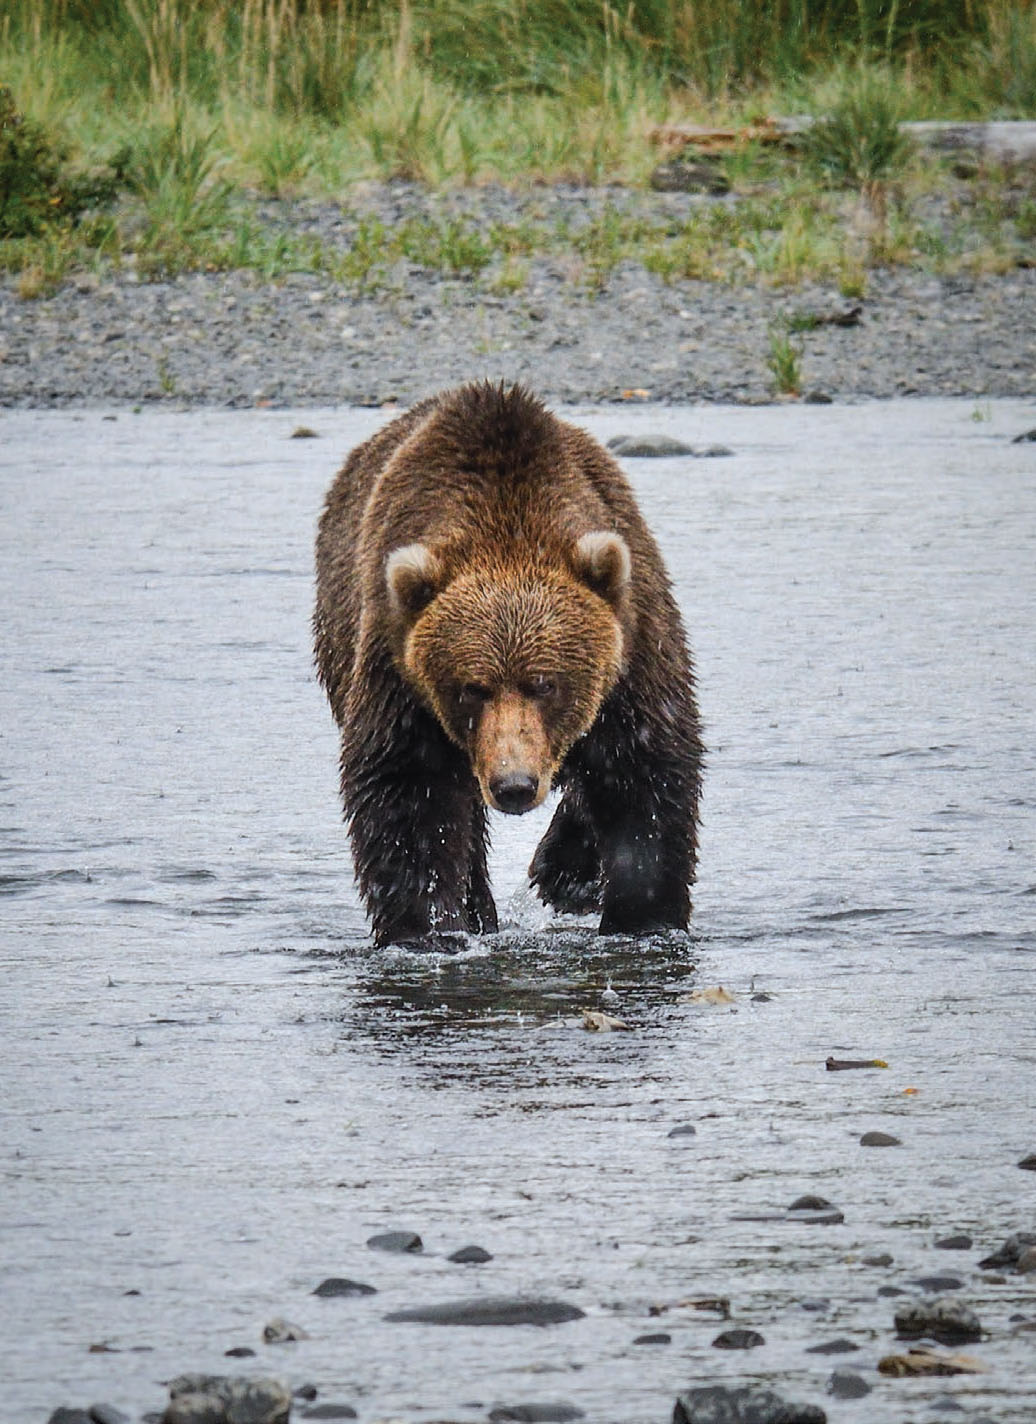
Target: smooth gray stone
(491,1310)
(341,1285)
(535,1413)
(845,1384)
(960,1242)
(938,1285)
(470,1256)
(738,1340)
(396,1241)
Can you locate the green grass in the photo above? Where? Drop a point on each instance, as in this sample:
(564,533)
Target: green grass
(783,360)
(193,108)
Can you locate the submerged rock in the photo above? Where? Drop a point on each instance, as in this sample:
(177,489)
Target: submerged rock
(536,1413)
(938,1285)
(491,1310)
(341,1285)
(879,1139)
(810,1210)
(814,1211)
(741,1404)
(832,1347)
(647,447)
(661,447)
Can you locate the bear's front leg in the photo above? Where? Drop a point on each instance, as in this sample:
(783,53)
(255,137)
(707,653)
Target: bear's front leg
(412,803)
(646,827)
(566,867)
(645,874)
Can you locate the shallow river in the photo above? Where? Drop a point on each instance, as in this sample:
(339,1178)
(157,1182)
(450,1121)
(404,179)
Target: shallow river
(214,1092)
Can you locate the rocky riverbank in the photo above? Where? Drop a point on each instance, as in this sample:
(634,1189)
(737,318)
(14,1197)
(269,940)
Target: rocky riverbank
(236,338)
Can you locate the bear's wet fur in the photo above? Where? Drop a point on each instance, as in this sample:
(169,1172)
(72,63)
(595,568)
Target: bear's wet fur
(493,618)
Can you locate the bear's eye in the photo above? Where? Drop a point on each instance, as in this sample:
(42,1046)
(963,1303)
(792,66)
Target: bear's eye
(475,692)
(540,688)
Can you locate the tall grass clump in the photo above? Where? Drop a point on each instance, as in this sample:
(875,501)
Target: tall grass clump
(783,359)
(173,173)
(858,141)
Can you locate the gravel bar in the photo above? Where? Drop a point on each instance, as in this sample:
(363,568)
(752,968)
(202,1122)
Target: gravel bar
(235,339)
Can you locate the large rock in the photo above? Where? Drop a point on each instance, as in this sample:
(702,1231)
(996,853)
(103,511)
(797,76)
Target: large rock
(951,1322)
(741,1404)
(1009,1253)
(227,1399)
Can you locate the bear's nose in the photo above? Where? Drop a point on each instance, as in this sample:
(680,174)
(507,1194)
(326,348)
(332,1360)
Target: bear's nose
(514,792)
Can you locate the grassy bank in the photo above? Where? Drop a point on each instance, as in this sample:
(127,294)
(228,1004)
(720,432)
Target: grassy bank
(181,106)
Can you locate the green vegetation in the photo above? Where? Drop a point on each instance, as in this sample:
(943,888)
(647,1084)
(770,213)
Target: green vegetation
(783,360)
(857,142)
(192,110)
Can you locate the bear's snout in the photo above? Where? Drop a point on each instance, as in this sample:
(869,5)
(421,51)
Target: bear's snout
(511,755)
(515,792)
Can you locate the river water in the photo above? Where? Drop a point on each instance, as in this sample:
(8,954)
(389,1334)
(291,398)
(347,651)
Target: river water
(214,1091)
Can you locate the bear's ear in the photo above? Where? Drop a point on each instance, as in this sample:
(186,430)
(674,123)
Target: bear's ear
(413,576)
(603,562)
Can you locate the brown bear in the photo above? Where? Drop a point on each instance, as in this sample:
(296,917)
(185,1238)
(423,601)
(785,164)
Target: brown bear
(493,619)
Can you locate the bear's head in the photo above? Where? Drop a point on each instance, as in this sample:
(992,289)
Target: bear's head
(514,662)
